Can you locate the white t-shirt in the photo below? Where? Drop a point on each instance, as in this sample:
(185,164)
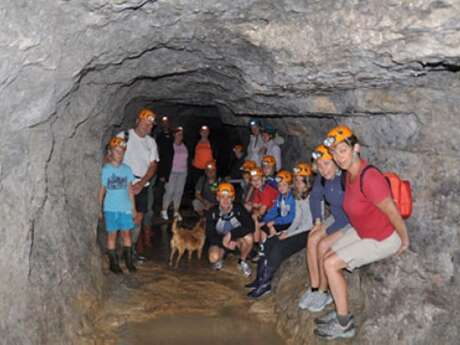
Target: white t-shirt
(139,153)
(255,144)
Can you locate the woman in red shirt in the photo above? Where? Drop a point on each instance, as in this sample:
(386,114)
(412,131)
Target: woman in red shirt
(378,229)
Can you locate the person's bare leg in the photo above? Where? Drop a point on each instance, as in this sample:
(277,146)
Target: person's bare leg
(245,245)
(312,257)
(215,254)
(324,245)
(333,266)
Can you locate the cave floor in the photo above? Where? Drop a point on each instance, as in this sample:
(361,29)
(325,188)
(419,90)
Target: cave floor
(189,305)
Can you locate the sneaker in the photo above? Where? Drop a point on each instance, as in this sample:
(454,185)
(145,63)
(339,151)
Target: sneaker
(306,298)
(333,329)
(217,266)
(319,301)
(328,317)
(245,268)
(164,215)
(178,216)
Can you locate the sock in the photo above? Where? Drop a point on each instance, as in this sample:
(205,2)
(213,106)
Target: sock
(343,319)
(314,289)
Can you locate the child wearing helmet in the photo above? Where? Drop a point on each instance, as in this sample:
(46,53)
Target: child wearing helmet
(269,169)
(262,198)
(117,205)
(378,229)
(327,188)
(290,241)
(229,226)
(244,189)
(280,216)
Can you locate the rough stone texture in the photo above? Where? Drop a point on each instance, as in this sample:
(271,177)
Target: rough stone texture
(70,68)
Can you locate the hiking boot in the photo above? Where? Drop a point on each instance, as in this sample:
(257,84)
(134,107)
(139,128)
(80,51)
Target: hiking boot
(164,215)
(128,255)
(217,266)
(259,270)
(114,265)
(307,298)
(265,285)
(333,329)
(328,317)
(319,301)
(245,268)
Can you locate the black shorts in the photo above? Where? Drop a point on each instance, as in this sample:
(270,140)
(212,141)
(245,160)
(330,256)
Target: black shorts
(142,200)
(278,228)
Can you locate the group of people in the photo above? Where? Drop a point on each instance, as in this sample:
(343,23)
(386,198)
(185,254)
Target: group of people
(336,207)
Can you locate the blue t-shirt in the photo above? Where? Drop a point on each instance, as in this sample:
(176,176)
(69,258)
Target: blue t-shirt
(116,180)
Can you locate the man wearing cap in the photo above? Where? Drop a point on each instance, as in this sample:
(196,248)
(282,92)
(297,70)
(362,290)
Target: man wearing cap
(142,157)
(205,189)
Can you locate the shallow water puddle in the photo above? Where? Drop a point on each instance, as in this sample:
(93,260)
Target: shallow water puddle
(199,329)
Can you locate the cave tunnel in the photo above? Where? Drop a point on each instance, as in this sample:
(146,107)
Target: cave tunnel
(74,73)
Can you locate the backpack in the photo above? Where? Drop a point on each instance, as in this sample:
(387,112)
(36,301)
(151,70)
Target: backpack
(401,191)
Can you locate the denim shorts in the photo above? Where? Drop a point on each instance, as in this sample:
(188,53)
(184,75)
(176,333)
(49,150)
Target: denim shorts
(118,221)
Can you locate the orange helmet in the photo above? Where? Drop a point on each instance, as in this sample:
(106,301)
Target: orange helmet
(256,172)
(321,152)
(337,135)
(225,189)
(146,114)
(268,160)
(248,165)
(238,147)
(117,142)
(284,176)
(303,169)
(211,165)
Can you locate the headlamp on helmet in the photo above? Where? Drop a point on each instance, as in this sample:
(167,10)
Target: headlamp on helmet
(321,152)
(303,169)
(337,135)
(211,165)
(225,189)
(284,176)
(268,160)
(146,115)
(204,128)
(117,142)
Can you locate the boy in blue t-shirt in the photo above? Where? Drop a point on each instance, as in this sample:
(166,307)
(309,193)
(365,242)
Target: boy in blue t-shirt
(116,199)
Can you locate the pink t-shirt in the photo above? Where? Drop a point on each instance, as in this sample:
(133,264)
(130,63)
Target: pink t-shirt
(180,158)
(360,208)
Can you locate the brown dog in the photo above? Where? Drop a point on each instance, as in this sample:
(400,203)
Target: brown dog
(183,239)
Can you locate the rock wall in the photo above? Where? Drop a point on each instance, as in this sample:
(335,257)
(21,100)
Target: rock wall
(70,68)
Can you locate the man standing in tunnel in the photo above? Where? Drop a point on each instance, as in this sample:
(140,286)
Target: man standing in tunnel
(142,157)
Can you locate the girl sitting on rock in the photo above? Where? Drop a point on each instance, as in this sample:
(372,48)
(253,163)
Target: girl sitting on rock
(287,242)
(327,188)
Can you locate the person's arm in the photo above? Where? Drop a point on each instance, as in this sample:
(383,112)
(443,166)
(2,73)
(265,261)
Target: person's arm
(277,155)
(289,218)
(100,200)
(388,207)
(133,203)
(294,227)
(271,214)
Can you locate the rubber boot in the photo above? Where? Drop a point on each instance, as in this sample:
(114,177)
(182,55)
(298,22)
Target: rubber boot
(265,285)
(114,265)
(256,281)
(128,255)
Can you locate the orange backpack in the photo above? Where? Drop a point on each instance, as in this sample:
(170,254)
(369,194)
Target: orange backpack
(401,191)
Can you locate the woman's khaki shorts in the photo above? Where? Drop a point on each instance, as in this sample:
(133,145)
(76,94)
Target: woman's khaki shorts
(357,251)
